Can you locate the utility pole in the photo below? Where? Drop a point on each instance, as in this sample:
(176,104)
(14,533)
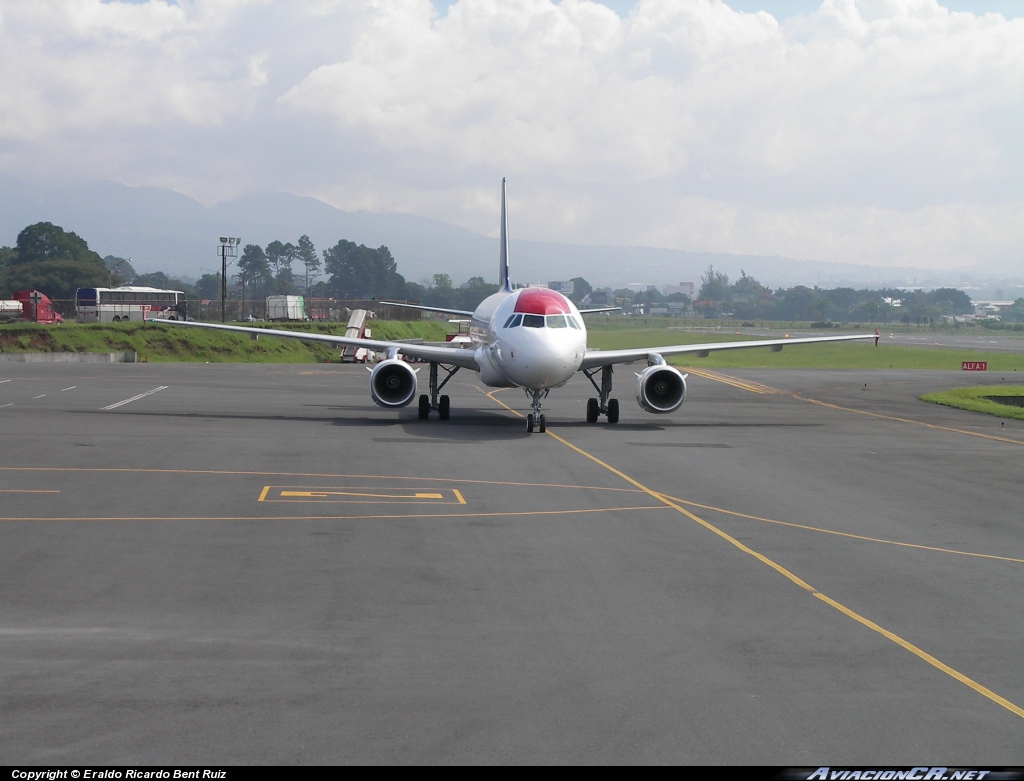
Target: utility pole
(228,249)
(110,283)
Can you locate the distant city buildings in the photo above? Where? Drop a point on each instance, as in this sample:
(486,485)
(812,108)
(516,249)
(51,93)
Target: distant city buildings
(565,288)
(686,288)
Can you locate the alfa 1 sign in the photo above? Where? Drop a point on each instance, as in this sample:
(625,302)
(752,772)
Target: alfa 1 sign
(974,366)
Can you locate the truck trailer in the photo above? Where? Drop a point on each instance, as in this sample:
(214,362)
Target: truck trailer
(29,306)
(284,308)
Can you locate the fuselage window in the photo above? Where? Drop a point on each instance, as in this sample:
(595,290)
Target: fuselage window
(533,321)
(556,321)
(513,321)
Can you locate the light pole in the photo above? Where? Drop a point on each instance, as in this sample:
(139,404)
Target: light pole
(110,283)
(228,249)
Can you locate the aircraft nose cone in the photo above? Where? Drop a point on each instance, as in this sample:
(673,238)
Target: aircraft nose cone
(543,364)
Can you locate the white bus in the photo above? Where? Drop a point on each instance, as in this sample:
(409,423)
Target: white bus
(128,303)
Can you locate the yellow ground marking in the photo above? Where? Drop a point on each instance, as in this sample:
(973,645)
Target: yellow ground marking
(326,494)
(318,475)
(736,382)
(982,690)
(356,495)
(499,402)
(844,534)
(910,420)
(26,491)
(410,516)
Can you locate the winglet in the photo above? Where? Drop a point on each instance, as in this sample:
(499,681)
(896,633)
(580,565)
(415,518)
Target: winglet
(503,280)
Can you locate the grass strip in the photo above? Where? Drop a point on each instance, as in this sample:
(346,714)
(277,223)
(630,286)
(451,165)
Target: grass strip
(977,400)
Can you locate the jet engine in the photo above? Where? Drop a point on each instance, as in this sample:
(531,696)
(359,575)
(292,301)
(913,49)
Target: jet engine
(392,383)
(660,388)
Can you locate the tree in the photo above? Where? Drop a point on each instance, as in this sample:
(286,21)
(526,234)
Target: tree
(7,256)
(308,257)
(581,290)
(122,268)
(819,308)
(279,258)
(951,301)
(208,286)
(253,269)
(473,292)
(714,286)
(1015,313)
(745,285)
(54,261)
(360,272)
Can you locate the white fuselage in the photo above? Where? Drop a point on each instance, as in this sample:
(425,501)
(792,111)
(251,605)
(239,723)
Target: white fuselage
(532,338)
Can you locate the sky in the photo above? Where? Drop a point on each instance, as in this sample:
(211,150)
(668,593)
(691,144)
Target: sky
(879,132)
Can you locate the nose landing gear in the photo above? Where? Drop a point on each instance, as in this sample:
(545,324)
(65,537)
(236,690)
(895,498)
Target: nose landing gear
(536,421)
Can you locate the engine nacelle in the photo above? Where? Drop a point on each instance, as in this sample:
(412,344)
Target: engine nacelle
(660,388)
(392,383)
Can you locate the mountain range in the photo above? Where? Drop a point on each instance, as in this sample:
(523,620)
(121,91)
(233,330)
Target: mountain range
(162,230)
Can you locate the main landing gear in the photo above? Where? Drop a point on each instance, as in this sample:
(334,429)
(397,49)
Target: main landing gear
(604,406)
(535,420)
(442,404)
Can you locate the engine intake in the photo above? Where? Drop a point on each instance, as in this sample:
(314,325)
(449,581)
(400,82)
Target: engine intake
(660,388)
(392,383)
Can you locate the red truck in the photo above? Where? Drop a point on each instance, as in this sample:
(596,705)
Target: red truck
(29,306)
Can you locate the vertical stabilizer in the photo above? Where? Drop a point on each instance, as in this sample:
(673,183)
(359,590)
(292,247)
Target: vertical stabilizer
(503,280)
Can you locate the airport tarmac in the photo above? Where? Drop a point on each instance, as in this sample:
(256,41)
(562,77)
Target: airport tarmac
(232,564)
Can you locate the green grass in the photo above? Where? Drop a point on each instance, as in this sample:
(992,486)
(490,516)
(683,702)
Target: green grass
(973,399)
(175,343)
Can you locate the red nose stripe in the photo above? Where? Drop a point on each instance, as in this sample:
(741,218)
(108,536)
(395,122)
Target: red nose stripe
(541,301)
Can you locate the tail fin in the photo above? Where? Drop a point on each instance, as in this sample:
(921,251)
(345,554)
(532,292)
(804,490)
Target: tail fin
(503,279)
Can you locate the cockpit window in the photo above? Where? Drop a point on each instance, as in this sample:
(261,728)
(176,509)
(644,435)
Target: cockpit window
(513,321)
(556,321)
(572,322)
(533,321)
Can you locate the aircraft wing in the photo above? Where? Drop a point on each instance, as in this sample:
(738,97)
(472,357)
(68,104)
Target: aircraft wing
(453,356)
(440,309)
(594,358)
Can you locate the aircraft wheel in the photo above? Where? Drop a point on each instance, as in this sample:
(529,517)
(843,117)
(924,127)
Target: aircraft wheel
(444,407)
(529,423)
(542,424)
(613,410)
(424,407)
(593,410)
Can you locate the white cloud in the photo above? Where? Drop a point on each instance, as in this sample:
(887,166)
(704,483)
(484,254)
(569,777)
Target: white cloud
(877,131)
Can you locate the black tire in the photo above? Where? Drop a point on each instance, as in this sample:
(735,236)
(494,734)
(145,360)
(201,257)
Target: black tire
(542,424)
(529,423)
(613,410)
(593,410)
(444,407)
(424,407)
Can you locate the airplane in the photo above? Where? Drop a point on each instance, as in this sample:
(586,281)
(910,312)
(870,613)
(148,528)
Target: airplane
(530,337)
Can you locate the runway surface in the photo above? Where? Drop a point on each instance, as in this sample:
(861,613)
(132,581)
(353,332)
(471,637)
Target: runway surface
(253,564)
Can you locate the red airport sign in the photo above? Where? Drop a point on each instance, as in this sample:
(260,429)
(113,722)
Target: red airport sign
(974,366)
